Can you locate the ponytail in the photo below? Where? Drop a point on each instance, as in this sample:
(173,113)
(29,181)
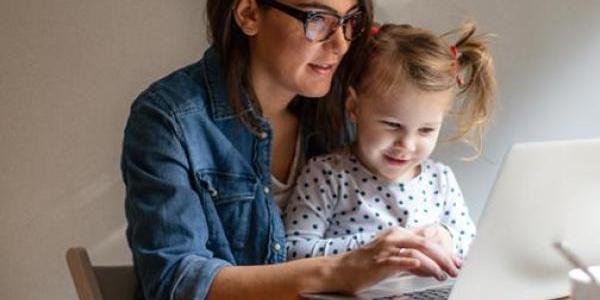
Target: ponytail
(476,85)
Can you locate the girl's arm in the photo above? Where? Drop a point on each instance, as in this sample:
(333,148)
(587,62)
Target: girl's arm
(455,217)
(310,210)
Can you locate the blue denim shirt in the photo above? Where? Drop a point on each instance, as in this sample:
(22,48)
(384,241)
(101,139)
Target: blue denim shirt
(197,185)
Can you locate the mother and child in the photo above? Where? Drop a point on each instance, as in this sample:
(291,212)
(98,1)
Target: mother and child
(302,109)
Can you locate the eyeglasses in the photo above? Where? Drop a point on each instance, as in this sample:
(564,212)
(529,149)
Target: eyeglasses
(320,25)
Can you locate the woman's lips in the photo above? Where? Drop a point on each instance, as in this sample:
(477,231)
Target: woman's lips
(322,69)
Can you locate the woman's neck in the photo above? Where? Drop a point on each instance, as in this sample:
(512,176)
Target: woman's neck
(272,97)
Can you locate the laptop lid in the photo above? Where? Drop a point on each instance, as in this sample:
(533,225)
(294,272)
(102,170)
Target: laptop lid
(545,191)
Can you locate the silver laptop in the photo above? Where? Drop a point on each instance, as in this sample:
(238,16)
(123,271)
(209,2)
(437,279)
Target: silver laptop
(545,192)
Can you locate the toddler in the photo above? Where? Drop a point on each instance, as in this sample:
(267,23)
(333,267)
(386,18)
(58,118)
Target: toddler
(410,81)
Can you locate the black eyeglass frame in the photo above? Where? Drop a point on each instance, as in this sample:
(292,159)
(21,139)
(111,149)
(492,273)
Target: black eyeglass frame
(306,16)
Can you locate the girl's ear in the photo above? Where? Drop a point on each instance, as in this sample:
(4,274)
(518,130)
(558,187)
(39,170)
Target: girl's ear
(246,15)
(352,105)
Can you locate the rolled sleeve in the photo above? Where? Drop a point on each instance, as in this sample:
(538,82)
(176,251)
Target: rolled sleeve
(167,228)
(196,276)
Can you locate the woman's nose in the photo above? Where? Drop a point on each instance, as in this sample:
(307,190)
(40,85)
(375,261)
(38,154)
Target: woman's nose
(337,42)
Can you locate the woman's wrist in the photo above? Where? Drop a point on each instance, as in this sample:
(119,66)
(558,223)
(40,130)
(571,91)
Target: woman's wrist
(327,275)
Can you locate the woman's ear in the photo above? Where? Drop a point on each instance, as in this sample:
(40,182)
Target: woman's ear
(352,104)
(246,14)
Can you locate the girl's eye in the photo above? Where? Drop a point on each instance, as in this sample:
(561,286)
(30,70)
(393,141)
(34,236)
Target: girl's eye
(426,130)
(391,124)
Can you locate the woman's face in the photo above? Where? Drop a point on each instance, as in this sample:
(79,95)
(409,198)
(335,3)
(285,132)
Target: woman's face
(284,62)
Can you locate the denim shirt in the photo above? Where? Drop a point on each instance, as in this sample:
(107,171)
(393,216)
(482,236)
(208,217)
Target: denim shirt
(197,185)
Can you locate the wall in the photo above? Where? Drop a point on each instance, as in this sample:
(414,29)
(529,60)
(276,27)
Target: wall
(68,72)
(70,69)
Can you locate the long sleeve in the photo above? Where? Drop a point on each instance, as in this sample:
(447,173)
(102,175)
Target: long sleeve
(167,227)
(455,215)
(310,211)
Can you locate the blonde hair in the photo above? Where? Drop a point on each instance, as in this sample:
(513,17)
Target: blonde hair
(401,53)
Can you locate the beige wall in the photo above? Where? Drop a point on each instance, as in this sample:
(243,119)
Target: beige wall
(70,69)
(68,73)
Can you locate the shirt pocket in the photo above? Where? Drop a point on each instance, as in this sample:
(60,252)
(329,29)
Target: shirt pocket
(233,196)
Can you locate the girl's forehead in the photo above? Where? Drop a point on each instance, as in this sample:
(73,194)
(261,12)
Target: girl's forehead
(409,98)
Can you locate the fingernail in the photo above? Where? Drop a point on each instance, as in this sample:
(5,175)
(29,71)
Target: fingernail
(442,277)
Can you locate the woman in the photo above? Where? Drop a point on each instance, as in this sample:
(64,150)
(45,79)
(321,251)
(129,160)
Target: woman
(211,151)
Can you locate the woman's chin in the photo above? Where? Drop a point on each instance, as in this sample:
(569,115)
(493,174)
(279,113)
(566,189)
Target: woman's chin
(315,93)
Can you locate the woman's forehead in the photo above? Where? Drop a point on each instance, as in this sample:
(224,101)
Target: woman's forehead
(340,7)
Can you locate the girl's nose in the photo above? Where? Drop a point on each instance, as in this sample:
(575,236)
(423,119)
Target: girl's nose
(406,142)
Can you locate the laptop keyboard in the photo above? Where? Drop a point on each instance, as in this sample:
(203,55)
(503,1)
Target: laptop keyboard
(441,293)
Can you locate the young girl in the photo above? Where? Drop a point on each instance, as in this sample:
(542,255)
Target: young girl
(410,81)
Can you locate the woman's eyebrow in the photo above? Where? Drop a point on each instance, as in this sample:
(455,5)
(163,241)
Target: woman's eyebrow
(323,7)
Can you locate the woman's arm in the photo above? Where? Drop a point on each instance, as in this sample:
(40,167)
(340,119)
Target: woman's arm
(280,281)
(167,227)
(392,252)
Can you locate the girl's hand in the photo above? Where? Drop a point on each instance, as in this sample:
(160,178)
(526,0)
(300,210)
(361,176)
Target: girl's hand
(394,251)
(439,235)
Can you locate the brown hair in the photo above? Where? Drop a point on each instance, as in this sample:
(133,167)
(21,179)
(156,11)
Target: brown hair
(400,53)
(326,115)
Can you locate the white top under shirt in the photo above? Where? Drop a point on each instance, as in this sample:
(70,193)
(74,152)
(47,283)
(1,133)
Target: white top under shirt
(338,205)
(283,190)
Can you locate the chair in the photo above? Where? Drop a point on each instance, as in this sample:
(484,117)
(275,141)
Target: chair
(100,282)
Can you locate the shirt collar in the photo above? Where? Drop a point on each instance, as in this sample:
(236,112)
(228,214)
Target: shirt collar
(218,97)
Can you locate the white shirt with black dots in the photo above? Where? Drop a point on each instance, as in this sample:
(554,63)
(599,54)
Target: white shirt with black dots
(338,205)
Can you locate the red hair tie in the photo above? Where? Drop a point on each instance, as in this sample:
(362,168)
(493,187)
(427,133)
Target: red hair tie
(454,51)
(459,79)
(374,30)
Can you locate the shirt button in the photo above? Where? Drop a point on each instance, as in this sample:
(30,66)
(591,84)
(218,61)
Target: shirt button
(277,247)
(263,135)
(267,190)
(213,192)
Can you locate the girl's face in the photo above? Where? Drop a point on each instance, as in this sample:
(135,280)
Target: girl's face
(285,62)
(396,132)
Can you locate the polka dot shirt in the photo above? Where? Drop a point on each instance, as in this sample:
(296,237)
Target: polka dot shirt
(338,205)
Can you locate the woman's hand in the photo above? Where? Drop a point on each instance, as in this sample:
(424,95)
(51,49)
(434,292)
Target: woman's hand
(439,235)
(394,251)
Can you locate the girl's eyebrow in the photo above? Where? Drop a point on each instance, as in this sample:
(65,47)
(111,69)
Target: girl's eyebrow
(323,7)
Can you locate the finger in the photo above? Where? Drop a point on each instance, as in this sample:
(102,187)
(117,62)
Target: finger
(427,267)
(440,257)
(433,251)
(399,263)
(389,252)
(458,262)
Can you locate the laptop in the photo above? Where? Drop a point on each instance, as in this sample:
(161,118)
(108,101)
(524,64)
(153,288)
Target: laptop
(545,192)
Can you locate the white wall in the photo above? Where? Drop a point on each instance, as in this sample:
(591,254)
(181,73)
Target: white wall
(70,69)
